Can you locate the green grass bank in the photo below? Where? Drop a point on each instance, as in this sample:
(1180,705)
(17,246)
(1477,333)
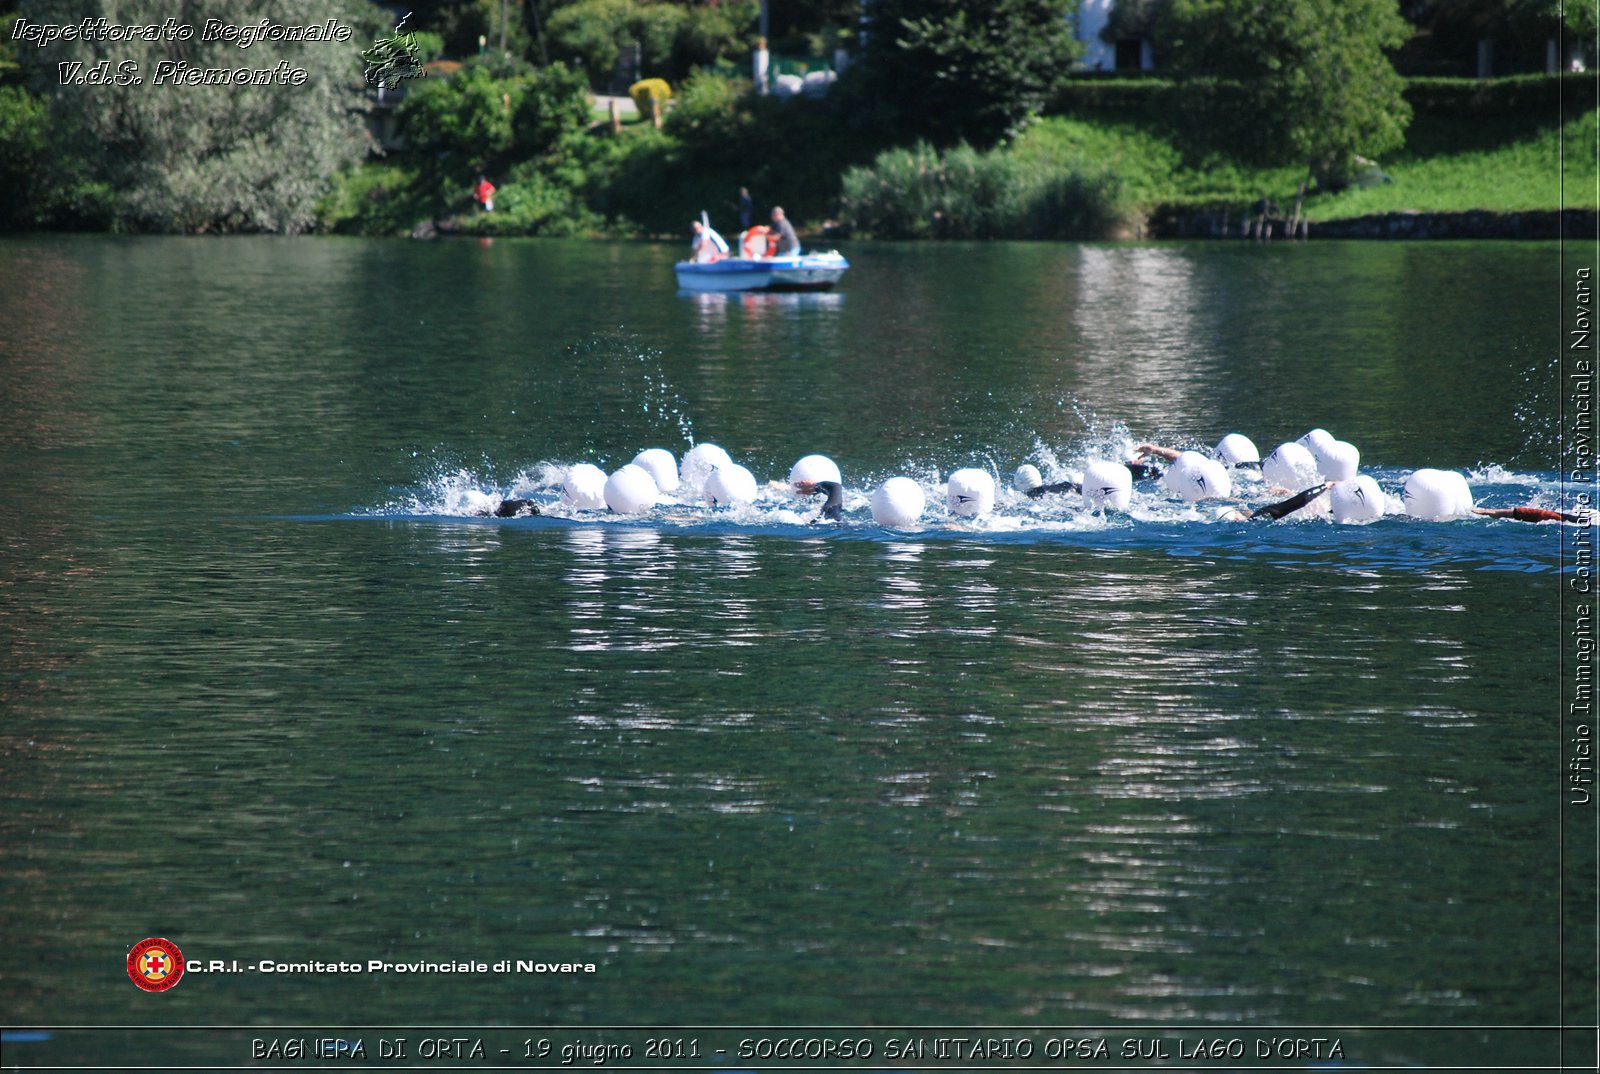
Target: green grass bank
(1509,145)
(1105,161)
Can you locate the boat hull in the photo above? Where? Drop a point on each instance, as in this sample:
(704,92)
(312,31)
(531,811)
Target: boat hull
(812,272)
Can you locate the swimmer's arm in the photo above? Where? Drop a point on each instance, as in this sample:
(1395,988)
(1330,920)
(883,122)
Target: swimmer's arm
(1526,514)
(1170,454)
(1278,510)
(1060,486)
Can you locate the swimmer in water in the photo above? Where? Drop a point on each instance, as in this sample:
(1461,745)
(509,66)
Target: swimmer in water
(1526,514)
(833,507)
(513,509)
(1274,511)
(1171,455)
(1141,471)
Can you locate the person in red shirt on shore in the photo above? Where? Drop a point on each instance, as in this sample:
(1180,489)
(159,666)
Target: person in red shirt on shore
(484,192)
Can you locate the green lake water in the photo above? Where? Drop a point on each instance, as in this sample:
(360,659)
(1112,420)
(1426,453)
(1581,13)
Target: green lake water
(268,691)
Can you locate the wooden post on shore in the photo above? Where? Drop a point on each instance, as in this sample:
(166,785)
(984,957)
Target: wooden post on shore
(616,117)
(655,111)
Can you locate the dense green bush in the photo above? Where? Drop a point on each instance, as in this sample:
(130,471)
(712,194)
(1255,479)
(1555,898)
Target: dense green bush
(673,40)
(591,33)
(1123,98)
(950,71)
(476,122)
(1540,98)
(246,158)
(1291,81)
(719,137)
(378,198)
(712,34)
(530,202)
(555,102)
(23,147)
(463,122)
(921,193)
(708,103)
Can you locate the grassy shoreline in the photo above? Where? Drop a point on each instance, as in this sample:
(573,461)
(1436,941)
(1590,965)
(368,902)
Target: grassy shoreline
(1449,165)
(1105,165)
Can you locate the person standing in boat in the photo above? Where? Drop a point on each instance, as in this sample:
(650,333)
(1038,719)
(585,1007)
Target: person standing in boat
(747,209)
(788,241)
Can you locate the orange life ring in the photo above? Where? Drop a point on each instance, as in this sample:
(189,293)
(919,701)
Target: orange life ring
(757,242)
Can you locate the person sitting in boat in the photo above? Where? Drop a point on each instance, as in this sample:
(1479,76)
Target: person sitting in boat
(788,242)
(707,245)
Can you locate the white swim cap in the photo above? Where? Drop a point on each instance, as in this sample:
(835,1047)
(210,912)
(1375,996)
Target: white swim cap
(1437,495)
(970,493)
(898,502)
(1196,478)
(1339,461)
(1236,448)
(662,465)
(698,464)
(813,468)
(1290,465)
(584,487)
(1316,441)
(1027,477)
(1357,499)
(730,484)
(1107,484)
(631,490)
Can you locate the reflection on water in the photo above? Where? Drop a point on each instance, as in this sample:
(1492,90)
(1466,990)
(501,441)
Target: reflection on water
(1135,313)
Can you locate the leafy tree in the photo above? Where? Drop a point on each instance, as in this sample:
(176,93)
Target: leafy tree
(483,120)
(796,20)
(10,72)
(460,123)
(714,33)
(673,39)
(1281,81)
(22,157)
(592,33)
(1519,28)
(172,156)
(460,23)
(963,70)
(554,104)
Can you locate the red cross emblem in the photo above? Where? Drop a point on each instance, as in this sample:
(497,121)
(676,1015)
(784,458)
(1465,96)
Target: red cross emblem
(155,964)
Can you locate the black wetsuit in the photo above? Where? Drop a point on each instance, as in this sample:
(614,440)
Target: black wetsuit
(1275,511)
(1060,486)
(516,509)
(833,507)
(1141,471)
